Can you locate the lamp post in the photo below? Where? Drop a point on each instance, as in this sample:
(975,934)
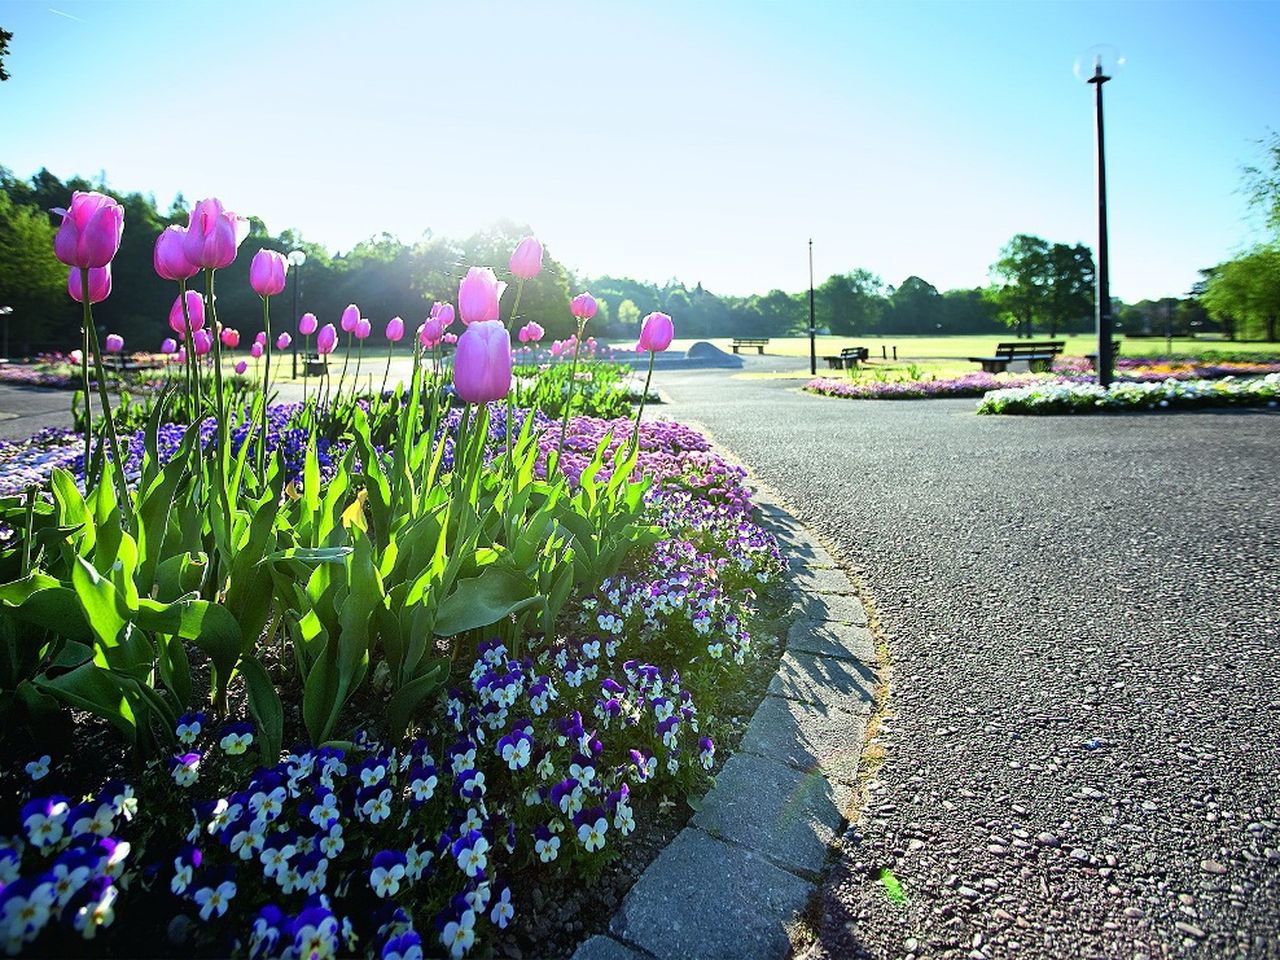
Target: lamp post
(6,312)
(813,349)
(296,259)
(1095,66)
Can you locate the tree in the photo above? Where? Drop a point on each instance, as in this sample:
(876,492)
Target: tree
(32,281)
(1070,286)
(850,303)
(627,319)
(915,307)
(1022,277)
(5,37)
(1262,183)
(1244,293)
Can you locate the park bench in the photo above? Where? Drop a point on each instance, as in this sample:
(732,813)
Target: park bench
(1093,357)
(1038,354)
(848,358)
(314,364)
(758,342)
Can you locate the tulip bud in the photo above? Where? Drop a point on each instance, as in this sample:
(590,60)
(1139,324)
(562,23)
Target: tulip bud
(168,345)
(89,235)
(182,354)
(260,337)
(479,294)
(363,328)
(531,332)
(656,332)
(230,338)
(170,258)
(350,317)
(395,329)
(482,367)
(255,349)
(327,339)
(307,324)
(75,356)
(114,343)
(195,311)
(444,313)
(583,306)
(283,341)
(267,273)
(99,284)
(526,262)
(431,332)
(241,366)
(214,234)
(450,338)
(204,342)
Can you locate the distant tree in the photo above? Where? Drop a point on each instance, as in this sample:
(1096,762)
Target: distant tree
(969,311)
(1022,276)
(32,281)
(1262,183)
(915,307)
(626,320)
(1245,293)
(5,37)
(1069,296)
(850,303)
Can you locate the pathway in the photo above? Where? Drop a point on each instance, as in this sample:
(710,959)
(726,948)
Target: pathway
(1085,634)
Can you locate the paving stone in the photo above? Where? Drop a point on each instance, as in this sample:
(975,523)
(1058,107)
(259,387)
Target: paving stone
(789,815)
(821,580)
(832,640)
(837,607)
(703,898)
(606,948)
(842,684)
(807,736)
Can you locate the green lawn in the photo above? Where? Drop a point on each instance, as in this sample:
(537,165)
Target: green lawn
(953,347)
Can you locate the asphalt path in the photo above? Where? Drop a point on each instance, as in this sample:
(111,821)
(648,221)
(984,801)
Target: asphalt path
(1083,622)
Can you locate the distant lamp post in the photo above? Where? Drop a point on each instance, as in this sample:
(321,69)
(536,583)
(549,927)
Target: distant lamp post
(6,312)
(813,348)
(296,259)
(1096,66)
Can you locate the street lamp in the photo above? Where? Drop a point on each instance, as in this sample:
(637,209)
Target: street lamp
(6,312)
(296,259)
(1096,66)
(813,350)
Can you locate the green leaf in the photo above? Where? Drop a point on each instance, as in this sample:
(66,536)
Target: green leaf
(46,602)
(97,598)
(408,698)
(266,708)
(892,887)
(484,600)
(210,626)
(91,688)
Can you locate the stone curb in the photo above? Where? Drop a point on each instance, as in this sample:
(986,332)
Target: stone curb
(741,873)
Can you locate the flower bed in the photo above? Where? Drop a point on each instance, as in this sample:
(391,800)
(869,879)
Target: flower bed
(1055,398)
(969,385)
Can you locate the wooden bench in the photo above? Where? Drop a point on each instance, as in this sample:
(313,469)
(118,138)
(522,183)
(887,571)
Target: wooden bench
(313,364)
(848,358)
(758,342)
(1038,354)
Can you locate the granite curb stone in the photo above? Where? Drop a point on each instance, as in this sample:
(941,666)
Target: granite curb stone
(825,681)
(703,898)
(843,641)
(606,948)
(834,607)
(807,737)
(821,580)
(789,815)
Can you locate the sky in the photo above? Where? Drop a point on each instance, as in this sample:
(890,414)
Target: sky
(706,142)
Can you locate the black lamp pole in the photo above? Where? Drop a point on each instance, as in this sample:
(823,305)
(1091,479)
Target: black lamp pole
(813,349)
(1106,327)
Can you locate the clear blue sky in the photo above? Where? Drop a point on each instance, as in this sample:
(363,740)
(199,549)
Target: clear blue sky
(701,141)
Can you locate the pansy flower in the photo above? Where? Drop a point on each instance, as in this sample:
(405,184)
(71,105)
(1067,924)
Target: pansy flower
(236,738)
(38,769)
(185,768)
(592,827)
(189,728)
(458,935)
(44,820)
(388,870)
(545,844)
(502,911)
(94,906)
(471,853)
(405,946)
(315,933)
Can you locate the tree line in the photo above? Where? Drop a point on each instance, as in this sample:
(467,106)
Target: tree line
(1037,287)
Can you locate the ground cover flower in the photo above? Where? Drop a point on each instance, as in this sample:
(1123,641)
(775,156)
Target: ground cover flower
(1056,398)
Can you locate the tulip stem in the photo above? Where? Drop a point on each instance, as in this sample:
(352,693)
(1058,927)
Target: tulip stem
(568,397)
(84,372)
(359,360)
(511,403)
(122,489)
(390,348)
(266,386)
(346,358)
(635,437)
(306,363)
(188,340)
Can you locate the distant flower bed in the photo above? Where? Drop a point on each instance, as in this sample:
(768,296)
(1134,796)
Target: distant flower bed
(58,371)
(1061,397)
(970,385)
(1209,366)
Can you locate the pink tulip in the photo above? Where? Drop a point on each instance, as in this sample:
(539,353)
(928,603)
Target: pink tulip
(195,310)
(114,343)
(241,366)
(479,295)
(362,328)
(89,235)
(656,332)
(395,329)
(267,273)
(99,284)
(531,332)
(327,339)
(431,332)
(482,367)
(255,349)
(75,356)
(203,341)
(170,258)
(526,262)
(444,313)
(168,345)
(283,341)
(307,324)
(450,338)
(230,338)
(583,306)
(350,317)
(260,337)
(182,354)
(557,348)
(214,234)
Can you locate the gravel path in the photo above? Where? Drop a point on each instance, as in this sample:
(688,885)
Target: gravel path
(1084,626)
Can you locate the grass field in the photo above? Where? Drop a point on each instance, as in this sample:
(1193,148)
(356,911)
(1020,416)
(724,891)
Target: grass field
(962,347)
